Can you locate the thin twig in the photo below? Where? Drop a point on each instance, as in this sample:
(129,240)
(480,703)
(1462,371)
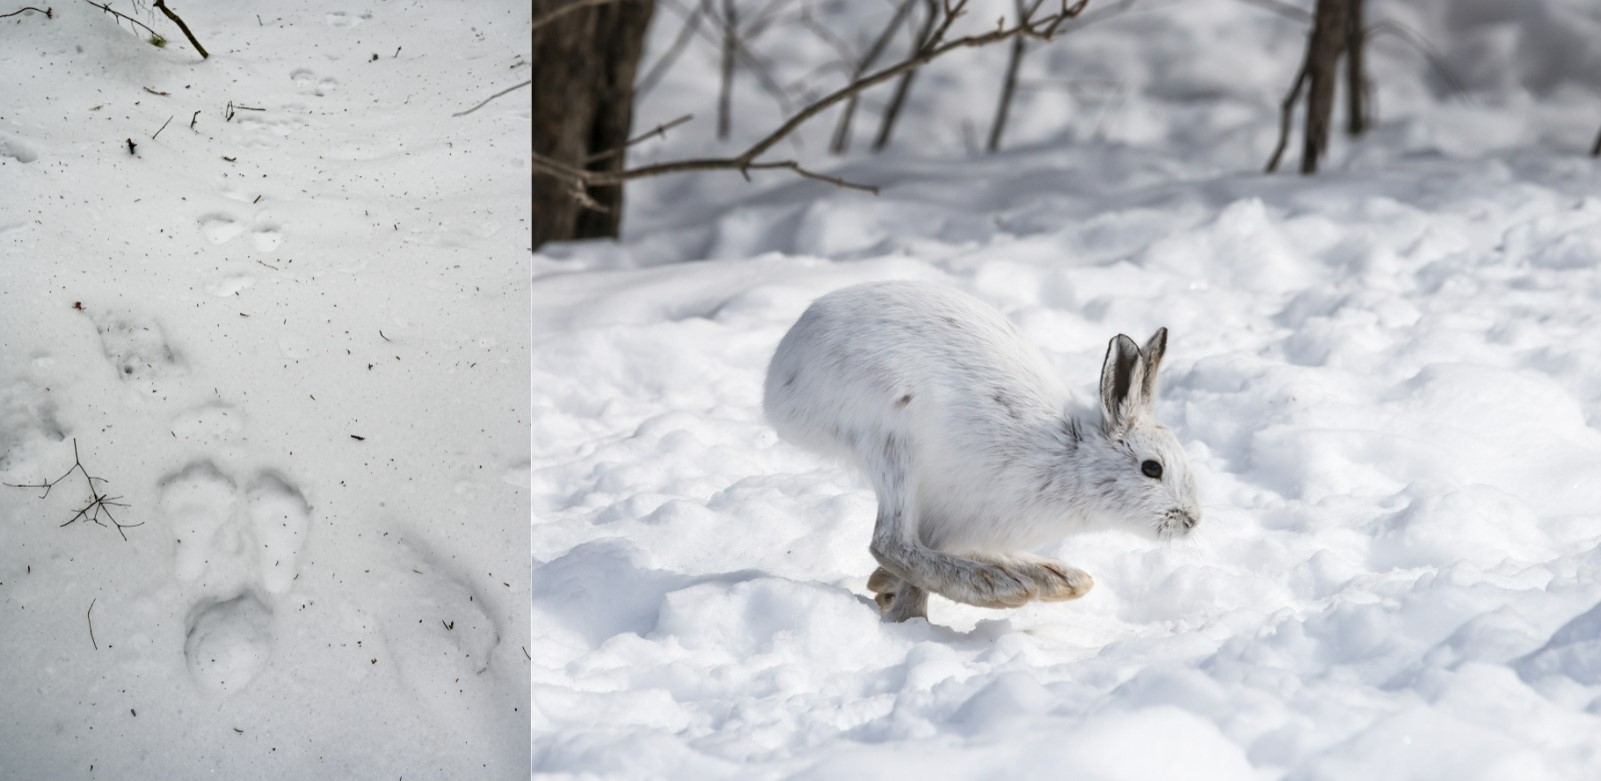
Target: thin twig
(904,86)
(660,130)
(163,127)
(98,502)
(1009,85)
(108,9)
(162,6)
(512,88)
(567,9)
(670,56)
(1287,112)
(89,614)
(842,131)
(49,13)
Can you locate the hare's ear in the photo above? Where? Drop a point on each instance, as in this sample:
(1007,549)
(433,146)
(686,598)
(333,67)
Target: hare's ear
(1152,358)
(1120,383)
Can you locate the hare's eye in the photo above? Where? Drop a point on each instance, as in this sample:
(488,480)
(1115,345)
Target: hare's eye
(1152,470)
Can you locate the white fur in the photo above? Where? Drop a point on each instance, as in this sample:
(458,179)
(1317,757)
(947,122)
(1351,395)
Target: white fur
(977,451)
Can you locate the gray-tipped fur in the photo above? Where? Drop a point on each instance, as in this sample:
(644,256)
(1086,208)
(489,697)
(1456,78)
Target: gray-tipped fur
(977,452)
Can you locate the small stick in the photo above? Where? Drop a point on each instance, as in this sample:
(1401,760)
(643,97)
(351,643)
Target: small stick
(108,9)
(163,127)
(492,97)
(49,13)
(162,4)
(89,614)
(132,146)
(192,120)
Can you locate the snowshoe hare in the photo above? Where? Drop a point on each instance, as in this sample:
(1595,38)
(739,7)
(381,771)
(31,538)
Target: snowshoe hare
(977,452)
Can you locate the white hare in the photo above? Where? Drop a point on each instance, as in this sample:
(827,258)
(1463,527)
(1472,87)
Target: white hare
(977,452)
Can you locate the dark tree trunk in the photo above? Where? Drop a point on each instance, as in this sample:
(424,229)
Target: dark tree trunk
(584,69)
(1356,78)
(1323,62)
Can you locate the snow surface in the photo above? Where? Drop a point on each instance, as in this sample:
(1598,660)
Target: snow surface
(1386,379)
(294,342)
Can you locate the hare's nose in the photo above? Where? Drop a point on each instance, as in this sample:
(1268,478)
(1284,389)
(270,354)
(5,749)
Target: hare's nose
(1191,520)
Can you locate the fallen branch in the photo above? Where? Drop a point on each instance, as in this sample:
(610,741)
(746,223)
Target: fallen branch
(49,13)
(98,502)
(512,88)
(89,614)
(1044,28)
(162,5)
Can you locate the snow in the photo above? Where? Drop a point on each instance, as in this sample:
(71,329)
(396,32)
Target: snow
(294,343)
(1382,376)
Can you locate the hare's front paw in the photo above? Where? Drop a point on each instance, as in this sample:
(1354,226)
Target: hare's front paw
(897,600)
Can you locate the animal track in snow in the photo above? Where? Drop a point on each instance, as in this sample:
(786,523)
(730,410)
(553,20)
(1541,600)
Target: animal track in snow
(220,228)
(266,237)
(208,423)
(310,83)
(16,150)
(226,643)
(137,349)
(197,503)
(234,552)
(342,19)
(280,518)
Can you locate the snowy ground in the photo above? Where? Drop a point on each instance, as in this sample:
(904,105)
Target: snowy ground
(1386,378)
(294,342)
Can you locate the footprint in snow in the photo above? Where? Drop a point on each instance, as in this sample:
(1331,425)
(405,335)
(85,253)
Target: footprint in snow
(228,642)
(237,550)
(220,228)
(311,84)
(138,351)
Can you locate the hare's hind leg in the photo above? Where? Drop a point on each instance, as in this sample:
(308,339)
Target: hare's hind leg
(901,554)
(1055,580)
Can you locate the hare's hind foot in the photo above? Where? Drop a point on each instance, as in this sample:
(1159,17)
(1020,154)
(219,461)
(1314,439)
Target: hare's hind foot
(1015,580)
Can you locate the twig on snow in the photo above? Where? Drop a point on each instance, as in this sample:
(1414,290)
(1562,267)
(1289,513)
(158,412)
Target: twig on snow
(512,88)
(49,13)
(98,502)
(162,6)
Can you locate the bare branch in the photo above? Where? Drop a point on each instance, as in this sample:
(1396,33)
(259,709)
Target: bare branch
(49,13)
(162,6)
(670,56)
(660,130)
(1286,114)
(1044,28)
(99,504)
(841,141)
(108,9)
(567,9)
(485,102)
(904,86)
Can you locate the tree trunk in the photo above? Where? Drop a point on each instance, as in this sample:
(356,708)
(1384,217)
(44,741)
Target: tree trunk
(584,69)
(1323,62)
(1356,78)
